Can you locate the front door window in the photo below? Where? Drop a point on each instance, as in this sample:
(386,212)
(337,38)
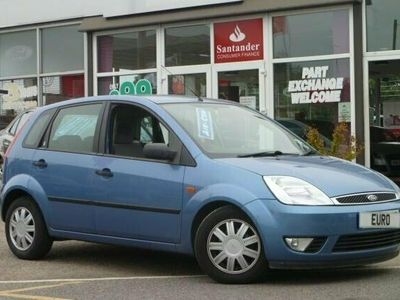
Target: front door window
(132,128)
(240,86)
(188,84)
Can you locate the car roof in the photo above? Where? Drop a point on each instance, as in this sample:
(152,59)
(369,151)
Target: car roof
(161,99)
(157,99)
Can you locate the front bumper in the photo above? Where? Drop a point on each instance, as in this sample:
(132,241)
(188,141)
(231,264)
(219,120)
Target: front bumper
(275,221)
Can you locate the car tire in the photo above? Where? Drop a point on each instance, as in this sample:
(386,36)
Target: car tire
(228,247)
(26,231)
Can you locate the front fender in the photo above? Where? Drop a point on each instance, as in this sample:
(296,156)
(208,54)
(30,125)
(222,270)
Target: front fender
(228,193)
(29,185)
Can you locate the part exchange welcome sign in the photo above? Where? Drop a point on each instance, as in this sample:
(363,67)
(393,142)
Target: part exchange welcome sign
(315,86)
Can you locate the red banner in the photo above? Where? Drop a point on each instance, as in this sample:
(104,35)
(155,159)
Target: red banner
(238,41)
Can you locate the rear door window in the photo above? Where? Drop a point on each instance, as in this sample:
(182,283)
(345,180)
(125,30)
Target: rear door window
(74,129)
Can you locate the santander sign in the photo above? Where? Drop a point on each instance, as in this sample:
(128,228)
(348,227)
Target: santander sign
(238,41)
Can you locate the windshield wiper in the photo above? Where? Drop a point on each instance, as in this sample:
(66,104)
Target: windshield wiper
(310,152)
(262,154)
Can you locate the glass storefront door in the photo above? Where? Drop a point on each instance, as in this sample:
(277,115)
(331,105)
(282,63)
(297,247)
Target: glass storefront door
(384,117)
(241,82)
(186,81)
(188,84)
(241,86)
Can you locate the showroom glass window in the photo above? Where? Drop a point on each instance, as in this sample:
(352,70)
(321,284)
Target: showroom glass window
(319,33)
(105,85)
(312,84)
(126,51)
(383,25)
(22,95)
(18,73)
(18,53)
(383,34)
(187,45)
(188,84)
(299,99)
(59,76)
(127,63)
(66,67)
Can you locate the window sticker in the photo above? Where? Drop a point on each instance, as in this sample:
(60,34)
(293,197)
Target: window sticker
(81,125)
(126,87)
(316,86)
(204,124)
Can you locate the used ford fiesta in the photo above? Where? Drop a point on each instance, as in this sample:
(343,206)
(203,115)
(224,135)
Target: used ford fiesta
(196,176)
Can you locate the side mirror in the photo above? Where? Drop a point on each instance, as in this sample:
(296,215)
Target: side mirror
(158,151)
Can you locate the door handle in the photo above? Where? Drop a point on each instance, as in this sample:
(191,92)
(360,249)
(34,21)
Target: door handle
(41,163)
(105,172)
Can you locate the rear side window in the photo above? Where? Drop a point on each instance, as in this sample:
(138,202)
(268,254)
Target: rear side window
(22,121)
(13,128)
(74,128)
(37,130)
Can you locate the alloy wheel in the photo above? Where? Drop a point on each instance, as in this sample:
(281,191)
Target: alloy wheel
(22,228)
(233,246)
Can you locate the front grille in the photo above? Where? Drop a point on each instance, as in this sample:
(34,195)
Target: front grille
(363,198)
(365,241)
(316,244)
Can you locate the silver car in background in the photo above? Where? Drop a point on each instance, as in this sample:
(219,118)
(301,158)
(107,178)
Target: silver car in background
(7,134)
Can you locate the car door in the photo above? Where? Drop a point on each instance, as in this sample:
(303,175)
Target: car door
(144,197)
(65,165)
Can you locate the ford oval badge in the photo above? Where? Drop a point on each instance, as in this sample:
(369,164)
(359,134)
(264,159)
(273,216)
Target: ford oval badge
(372,198)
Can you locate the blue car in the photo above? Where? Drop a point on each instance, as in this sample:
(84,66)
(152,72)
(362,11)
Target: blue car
(197,176)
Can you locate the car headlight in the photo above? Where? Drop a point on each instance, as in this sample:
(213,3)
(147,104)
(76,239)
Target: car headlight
(397,190)
(294,191)
(394,185)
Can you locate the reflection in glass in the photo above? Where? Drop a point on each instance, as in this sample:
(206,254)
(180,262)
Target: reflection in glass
(59,88)
(383,27)
(107,84)
(126,51)
(22,94)
(240,86)
(188,84)
(223,130)
(18,53)
(384,118)
(67,38)
(189,45)
(314,93)
(310,34)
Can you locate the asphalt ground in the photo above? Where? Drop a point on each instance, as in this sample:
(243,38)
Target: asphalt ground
(79,270)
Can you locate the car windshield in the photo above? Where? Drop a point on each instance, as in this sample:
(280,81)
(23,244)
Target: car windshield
(225,130)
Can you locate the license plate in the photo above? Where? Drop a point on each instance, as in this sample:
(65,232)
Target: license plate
(395,162)
(380,219)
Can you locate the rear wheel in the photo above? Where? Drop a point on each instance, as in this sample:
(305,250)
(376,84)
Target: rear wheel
(228,247)
(26,230)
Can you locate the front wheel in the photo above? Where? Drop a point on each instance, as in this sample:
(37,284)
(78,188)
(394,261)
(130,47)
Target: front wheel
(26,230)
(228,247)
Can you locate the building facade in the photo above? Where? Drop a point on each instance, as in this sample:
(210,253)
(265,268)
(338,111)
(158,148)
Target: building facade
(302,62)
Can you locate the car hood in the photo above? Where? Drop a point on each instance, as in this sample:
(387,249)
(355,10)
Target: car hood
(333,176)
